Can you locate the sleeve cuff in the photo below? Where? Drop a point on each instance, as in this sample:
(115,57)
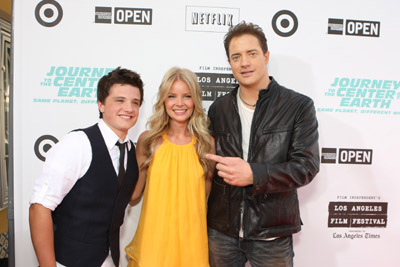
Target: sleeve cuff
(260,177)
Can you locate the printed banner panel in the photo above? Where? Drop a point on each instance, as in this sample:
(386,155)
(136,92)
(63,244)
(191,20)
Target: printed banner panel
(343,55)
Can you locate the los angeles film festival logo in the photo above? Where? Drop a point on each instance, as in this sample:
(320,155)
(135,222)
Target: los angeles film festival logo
(363,95)
(214,85)
(357,216)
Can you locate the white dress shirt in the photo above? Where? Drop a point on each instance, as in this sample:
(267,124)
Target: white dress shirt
(67,162)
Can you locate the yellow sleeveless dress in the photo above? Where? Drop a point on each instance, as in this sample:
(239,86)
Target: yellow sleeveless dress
(172,230)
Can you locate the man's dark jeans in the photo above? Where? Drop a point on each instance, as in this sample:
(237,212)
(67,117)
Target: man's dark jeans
(229,251)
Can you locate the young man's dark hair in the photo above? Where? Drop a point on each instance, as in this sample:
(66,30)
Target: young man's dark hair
(118,76)
(245,28)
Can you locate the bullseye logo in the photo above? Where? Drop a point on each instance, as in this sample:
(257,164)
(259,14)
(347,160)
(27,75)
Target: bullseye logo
(43,145)
(285,23)
(48,13)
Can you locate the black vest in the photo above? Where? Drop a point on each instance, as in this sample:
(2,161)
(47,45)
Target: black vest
(87,221)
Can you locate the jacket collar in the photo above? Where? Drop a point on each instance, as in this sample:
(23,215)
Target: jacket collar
(272,87)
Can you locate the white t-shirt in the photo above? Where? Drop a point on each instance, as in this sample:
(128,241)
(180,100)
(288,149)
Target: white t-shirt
(246,118)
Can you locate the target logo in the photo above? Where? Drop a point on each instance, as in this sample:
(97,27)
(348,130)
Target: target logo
(48,13)
(285,23)
(43,145)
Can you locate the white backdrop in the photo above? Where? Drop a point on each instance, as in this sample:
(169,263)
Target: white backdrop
(350,212)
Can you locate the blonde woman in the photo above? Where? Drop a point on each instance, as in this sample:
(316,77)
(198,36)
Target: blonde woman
(172,229)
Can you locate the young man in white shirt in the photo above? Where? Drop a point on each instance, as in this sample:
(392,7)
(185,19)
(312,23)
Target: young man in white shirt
(79,200)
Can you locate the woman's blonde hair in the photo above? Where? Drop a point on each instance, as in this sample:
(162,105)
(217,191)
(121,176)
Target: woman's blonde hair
(198,123)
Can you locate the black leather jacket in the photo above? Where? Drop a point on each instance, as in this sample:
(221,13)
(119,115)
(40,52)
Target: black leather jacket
(283,155)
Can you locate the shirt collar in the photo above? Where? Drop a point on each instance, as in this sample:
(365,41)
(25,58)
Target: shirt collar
(111,138)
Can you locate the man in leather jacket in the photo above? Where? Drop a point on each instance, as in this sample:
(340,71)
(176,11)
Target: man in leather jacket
(266,139)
